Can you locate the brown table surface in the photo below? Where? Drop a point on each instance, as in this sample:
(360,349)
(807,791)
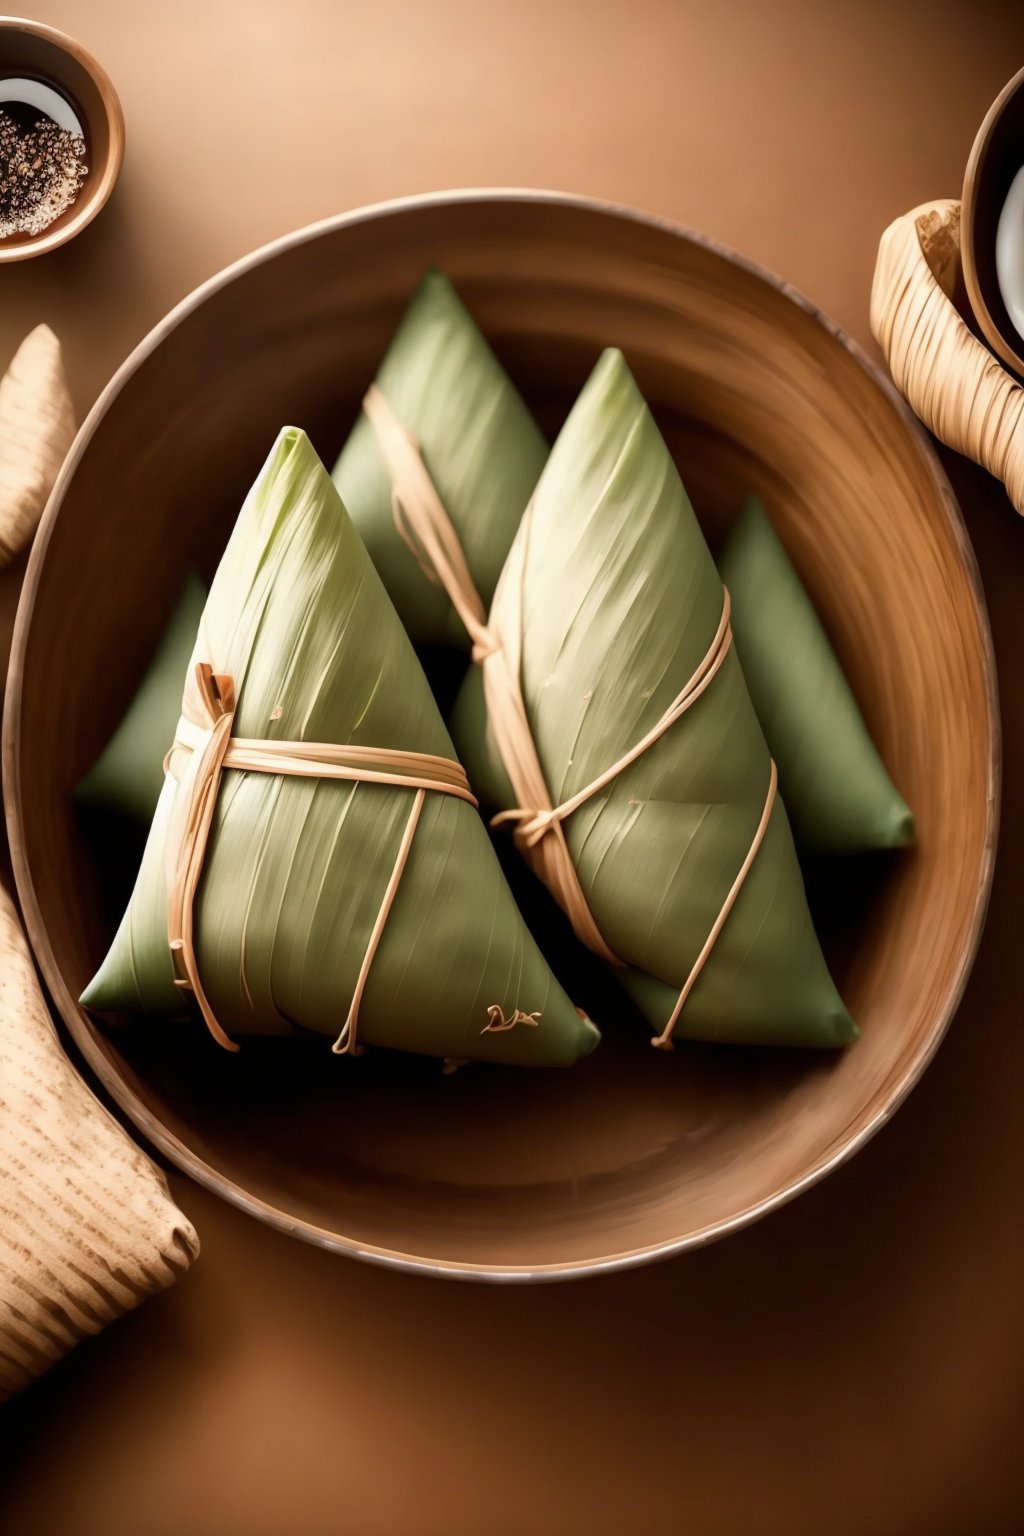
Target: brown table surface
(856,1362)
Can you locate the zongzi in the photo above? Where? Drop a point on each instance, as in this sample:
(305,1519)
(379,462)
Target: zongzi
(128,775)
(611,724)
(441,383)
(316,860)
(837,791)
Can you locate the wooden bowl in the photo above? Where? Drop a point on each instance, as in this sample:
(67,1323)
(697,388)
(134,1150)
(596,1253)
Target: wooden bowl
(996,157)
(40,52)
(632,1153)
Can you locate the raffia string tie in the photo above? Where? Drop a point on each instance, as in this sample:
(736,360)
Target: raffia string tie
(424,524)
(497,1024)
(204,747)
(422,521)
(663,1042)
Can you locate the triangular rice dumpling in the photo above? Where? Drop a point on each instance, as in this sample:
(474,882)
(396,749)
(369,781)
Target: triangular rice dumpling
(128,775)
(298,870)
(621,607)
(482,448)
(838,794)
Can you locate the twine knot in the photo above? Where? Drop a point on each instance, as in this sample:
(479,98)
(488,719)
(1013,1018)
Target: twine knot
(497,1023)
(485,644)
(529,825)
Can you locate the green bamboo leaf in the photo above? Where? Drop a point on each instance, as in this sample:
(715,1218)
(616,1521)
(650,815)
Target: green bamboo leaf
(480,444)
(621,602)
(296,868)
(837,791)
(128,775)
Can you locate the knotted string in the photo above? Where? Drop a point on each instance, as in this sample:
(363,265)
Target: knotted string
(424,525)
(203,748)
(497,1023)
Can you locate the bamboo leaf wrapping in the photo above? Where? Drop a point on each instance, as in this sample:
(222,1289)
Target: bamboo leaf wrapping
(128,774)
(839,795)
(621,601)
(296,868)
(481,445)
(486,453)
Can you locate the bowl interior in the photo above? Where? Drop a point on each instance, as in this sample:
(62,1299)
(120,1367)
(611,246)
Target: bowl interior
(40,52)
(997,156)
(631,1151)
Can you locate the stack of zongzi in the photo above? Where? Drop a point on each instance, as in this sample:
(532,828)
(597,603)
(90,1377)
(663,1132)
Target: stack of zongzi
(315,825)
(317,860)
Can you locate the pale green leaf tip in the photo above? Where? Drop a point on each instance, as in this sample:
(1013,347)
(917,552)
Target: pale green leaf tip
(754,527)
(292,457)
(903,829)
(88,997)
(613,364)
(290,438)
(435,291)
(611,392)
(590,1037)
(753,515)
(845,1031)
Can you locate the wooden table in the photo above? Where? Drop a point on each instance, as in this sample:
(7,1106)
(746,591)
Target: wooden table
(855,1363)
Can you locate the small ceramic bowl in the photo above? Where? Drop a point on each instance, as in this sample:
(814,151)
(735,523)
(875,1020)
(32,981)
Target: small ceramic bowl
(27,48)
(997,156)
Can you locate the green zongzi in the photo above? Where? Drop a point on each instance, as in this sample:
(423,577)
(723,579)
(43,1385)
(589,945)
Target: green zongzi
(316,860)
(443,384)
(611,724)
(837,791)
(128,775)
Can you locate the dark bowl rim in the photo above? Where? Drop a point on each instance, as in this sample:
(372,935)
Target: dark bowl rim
(977,166)
(74,1017)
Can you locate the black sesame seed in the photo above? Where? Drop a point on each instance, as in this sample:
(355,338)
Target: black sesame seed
(41,174)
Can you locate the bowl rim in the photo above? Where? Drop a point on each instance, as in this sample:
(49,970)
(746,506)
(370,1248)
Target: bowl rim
(98,193)
(994,335)
(73,1016)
